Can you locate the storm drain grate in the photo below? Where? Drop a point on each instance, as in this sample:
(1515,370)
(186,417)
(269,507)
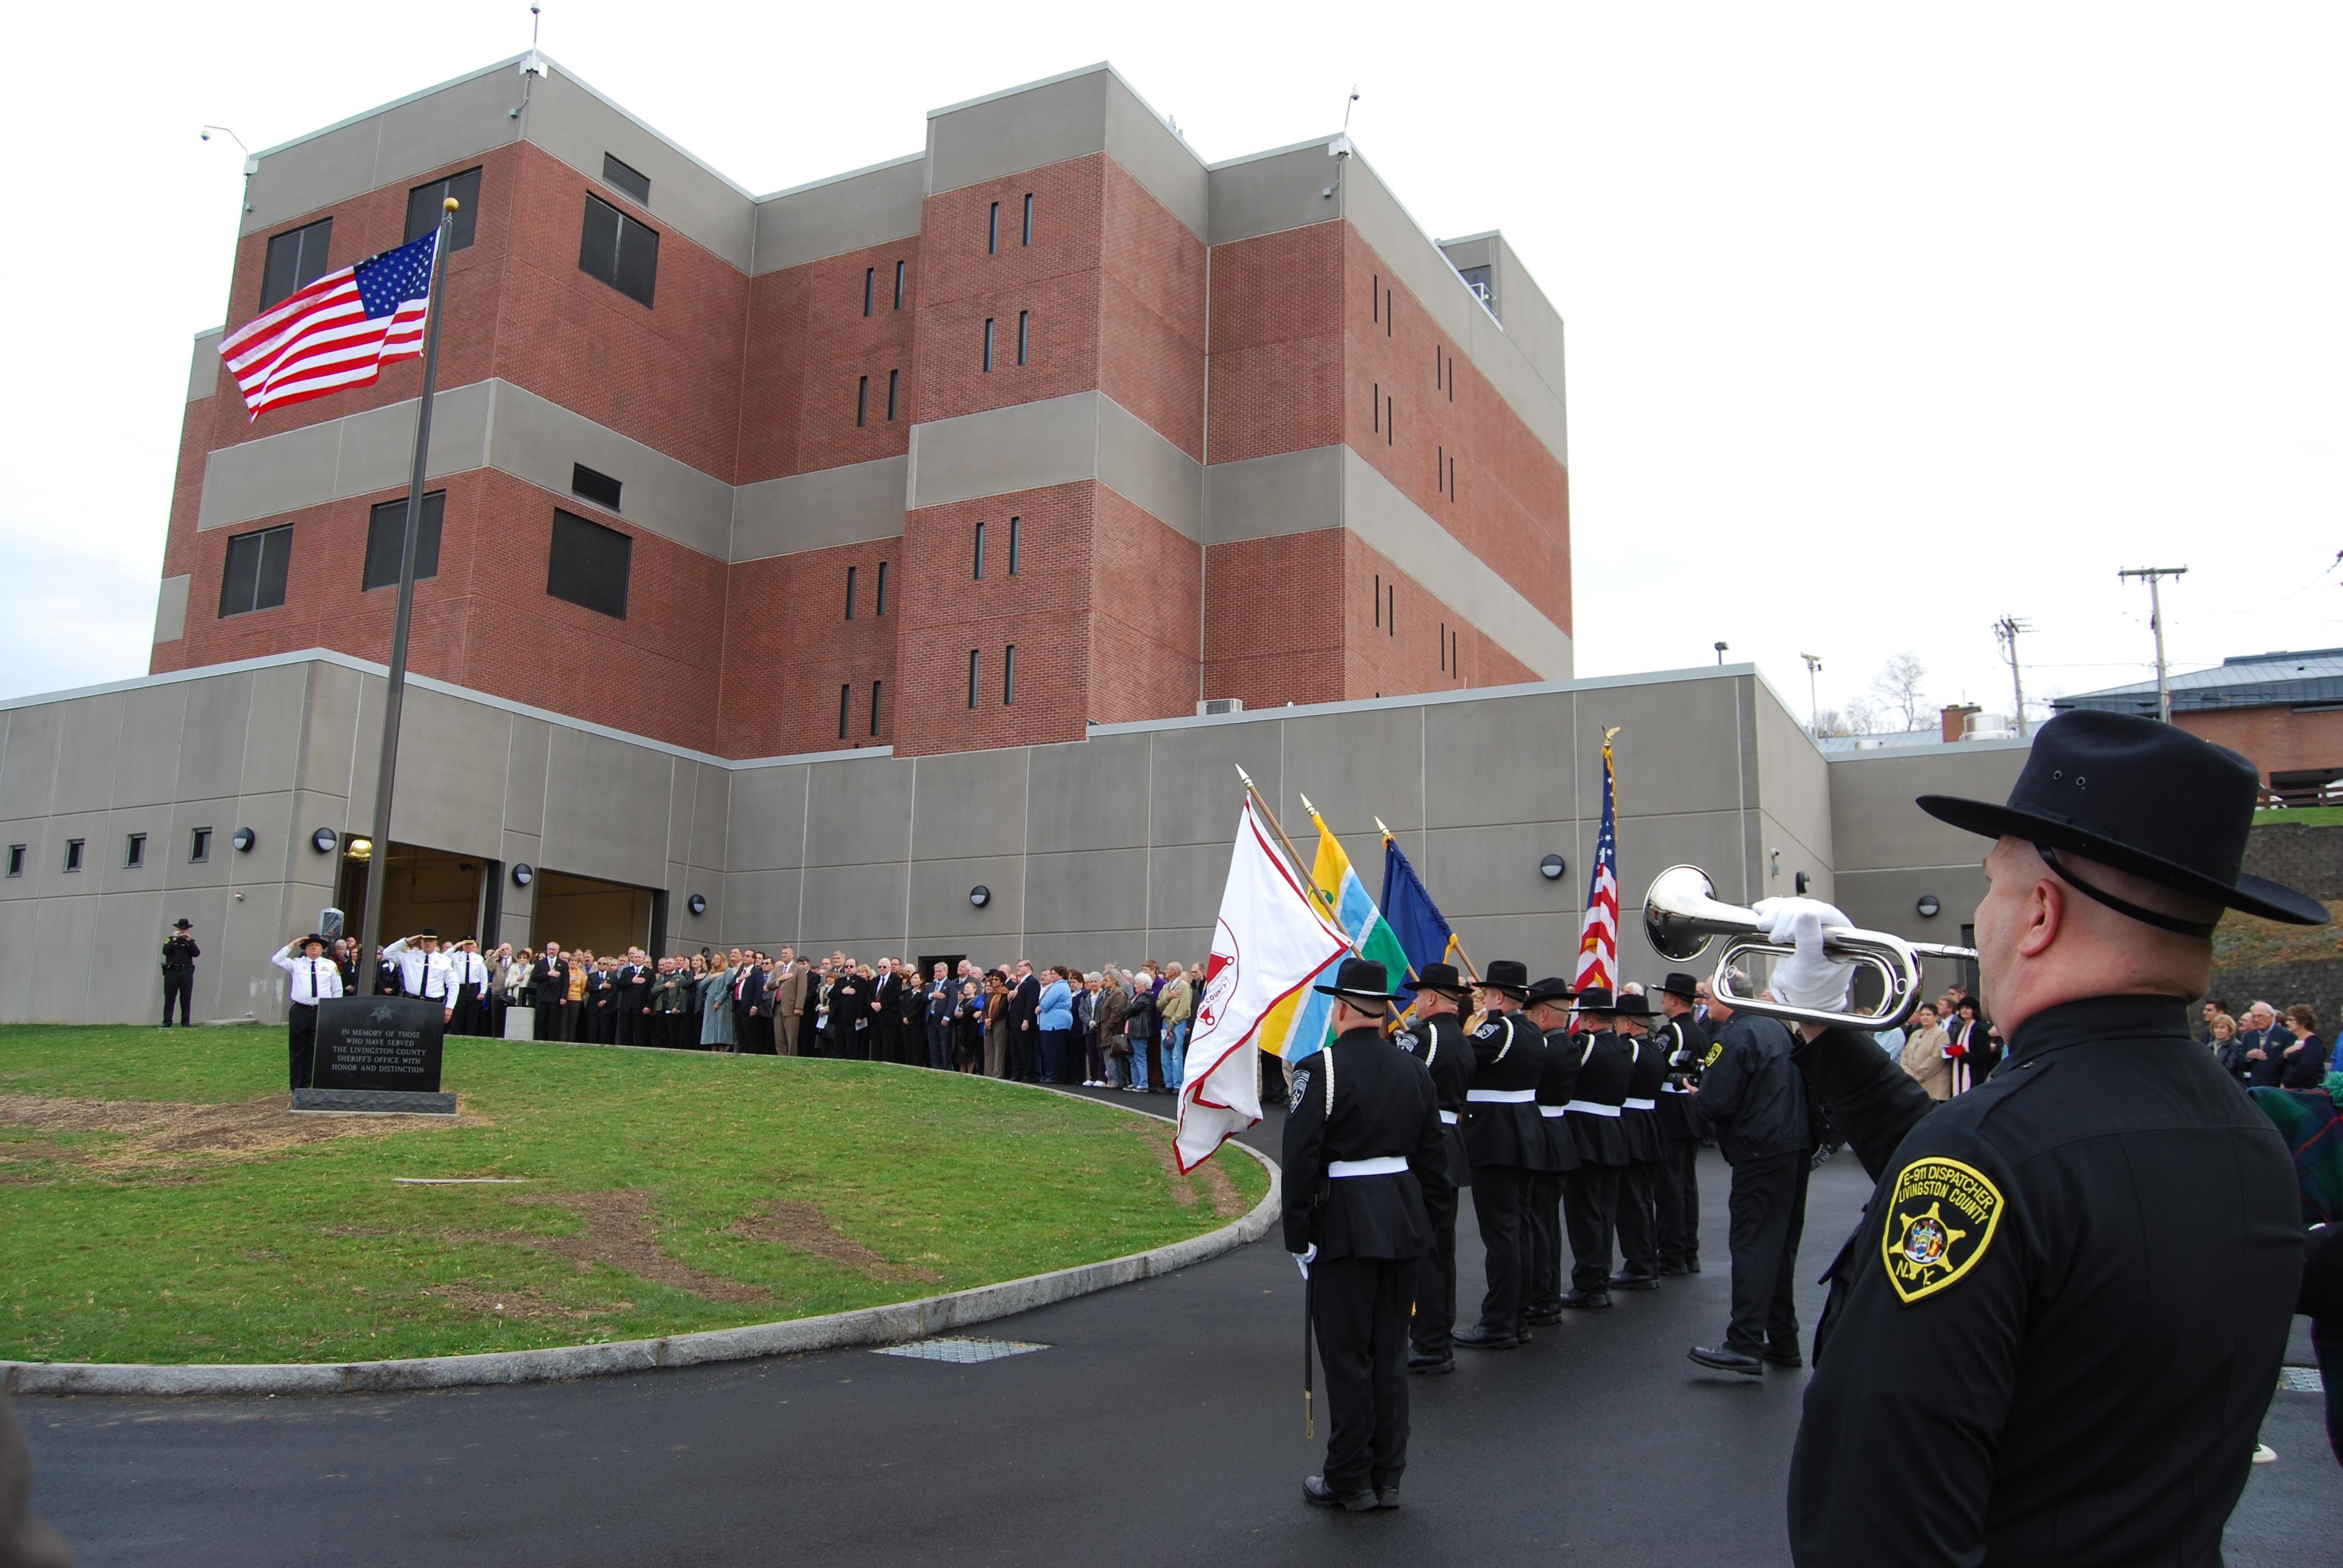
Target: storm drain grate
(2301,1379)
(961,1351)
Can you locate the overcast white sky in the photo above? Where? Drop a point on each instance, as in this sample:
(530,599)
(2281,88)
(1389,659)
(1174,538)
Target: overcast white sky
(1884,321)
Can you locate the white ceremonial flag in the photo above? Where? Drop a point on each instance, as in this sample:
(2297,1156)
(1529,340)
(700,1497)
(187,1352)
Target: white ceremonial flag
(1272,940)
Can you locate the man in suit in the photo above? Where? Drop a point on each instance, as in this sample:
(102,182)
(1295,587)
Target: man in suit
(748,1001)
(1024,1024)
(887,1014)
(548,981)
(180,955)
(602,1003)
(789,1001)
(850,1014)
(635,1020)
(942,997)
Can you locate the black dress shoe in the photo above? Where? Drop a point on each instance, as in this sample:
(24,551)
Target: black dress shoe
(1728,1361)
(1430,1366)
(1480,1338)
(1623,1280)
(1547,1319)
(1316,1491)
(1584,1301)
(1670,1270)
(1387,1496)
(1788,1359)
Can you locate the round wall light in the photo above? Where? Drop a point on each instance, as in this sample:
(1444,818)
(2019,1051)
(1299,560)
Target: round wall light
(325,839)
(523,873)
(1927,906)
(1552,867)
(979,895)
(242,840)
(1801,881)
(696,904)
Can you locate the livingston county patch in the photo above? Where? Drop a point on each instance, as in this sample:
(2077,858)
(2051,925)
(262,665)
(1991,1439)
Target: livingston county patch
(1300,1088)
(1940,1221)
(1716,1054)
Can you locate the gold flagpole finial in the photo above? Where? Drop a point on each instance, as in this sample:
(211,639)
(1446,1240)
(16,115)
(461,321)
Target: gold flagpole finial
(1242,774)
(1306,805)
(1386,832)
(1609,730)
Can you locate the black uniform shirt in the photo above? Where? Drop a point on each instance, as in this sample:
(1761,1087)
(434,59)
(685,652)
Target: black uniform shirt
(2054,1335)
(1751,1100)
(1649,1070)
(1384,1106)
(180,953)
(1508,1056)
(1439,1044)
(1682,1041)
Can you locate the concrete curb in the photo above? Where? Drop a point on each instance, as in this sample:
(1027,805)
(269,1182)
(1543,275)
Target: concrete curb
(838,1331)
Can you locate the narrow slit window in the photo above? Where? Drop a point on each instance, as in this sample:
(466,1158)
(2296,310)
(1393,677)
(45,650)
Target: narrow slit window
(1376,296)
(1452,481)
(972,672)
(1391,424)
(1379,598)
(875,686)
(1029,217)
(1016,533)
(992,231)
(1387,313)
(17,860)
(1437,354)
(1375,407)
(134,854)
(1451,380)
(1391,611)
(1009,675)
(845,708)
(861,399)
(1443,645)
(1024,332)
(878,592)
(891,375)
(73,854)
(199,846)
(899,286)
(869,287)
(988,345)
(978,574)
(850,593)
(1439,467)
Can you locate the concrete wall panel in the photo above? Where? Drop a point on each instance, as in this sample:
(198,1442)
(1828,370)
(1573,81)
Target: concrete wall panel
(1505,759)
(1090,795)
(1157,158)
(766,824)
(28,763)
(1548,944)
(1874,823)
(1345,764)
(1263,497)
(527,753)
(969,803)
(857,908)
(1008,133)
(606,812)
(88,736)
(848,505)
(1184,886)
(1494,870)
(1673,753)
(330,741)
(453,760)
(1086,890)
(211,756)
(171,609)
(1195,795)
(19,921)
(539,441)
(272,739)
(203,369)
(939,905)
(146,765)
(859,812)
(1272,193)
(1149,471)
(577,125)
(760,908)
(832,217)
(1000,451)
(710,815)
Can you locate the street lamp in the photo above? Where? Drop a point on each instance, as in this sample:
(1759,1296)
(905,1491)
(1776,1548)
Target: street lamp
(1720,653)
(1814,707)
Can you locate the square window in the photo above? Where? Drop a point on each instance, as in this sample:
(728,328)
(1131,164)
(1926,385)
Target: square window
(73,854)
(199,846)
(423,206)
(590,486)
(387,536)
(589,565)
(15,860)
(618,251)
(134,855)
(258,565)
(626,180)
(296,259)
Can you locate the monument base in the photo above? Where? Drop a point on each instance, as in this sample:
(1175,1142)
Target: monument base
(375,1101)
(520,1023)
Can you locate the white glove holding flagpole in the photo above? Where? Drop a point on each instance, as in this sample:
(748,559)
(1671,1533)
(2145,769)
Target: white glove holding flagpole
(1809,976)
(1302,1261)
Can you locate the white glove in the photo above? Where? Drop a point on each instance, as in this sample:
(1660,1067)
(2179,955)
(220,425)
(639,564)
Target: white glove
(1809,976)
(1302,1261)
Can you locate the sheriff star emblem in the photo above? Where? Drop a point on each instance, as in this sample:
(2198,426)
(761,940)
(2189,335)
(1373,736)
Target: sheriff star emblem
(1940,1221)
(382,1015)
(1715,1053)
(1301,1086)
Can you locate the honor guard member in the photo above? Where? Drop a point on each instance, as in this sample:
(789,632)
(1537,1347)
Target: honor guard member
(1682,1041)
(1639,1119)
(1435,1037)
(1597,1102)
(1366,1157)
(2054,1335)
(179,956)
(423,969)
(467,973)
(314,977)
(1505,1141)
(1548,1010)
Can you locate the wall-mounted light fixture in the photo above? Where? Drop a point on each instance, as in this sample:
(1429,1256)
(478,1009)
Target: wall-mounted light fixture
(1552,867)
(324,840)
(1928,906)
(523,873)
(979,895)
(244,839)
(1803,882)
(696,904)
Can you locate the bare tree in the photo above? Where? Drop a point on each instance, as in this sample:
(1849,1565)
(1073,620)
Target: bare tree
(1898,688)
(1857,717)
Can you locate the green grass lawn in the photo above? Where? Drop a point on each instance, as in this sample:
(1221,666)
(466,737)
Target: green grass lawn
(2301,815)
(665,1192)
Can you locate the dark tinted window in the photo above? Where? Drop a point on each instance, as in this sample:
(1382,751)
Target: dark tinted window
(296,259)
(599,489)
(134,854)
(619,251)
(73,854)
(845,708)
(386,536)
(590,564)
(199,844)
(631,182)
(423,208)
(256,567)
(15,860)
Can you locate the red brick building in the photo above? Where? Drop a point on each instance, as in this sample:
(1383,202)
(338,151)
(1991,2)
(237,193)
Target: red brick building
(2283,711)
(1049,424)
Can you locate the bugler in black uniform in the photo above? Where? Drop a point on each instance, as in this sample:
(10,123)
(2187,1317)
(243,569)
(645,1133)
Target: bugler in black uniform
(1439,1042)
(2054,1334)
(1682,1041)
(1366,1154)
(1505,1139)
(1557,1079)
(1639,1242)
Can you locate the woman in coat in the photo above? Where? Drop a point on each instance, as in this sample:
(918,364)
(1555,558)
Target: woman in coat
(715,1008)
(2305,1061)
(1924,1054)
(1056,1022)
(967,1028)
(1114,1000)
(1139,1027)
(995,1024)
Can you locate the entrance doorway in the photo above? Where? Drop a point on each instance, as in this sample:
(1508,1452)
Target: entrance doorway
(588,912)
(421,886)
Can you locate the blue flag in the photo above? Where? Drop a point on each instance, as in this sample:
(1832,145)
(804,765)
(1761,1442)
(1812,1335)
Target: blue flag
(1423,930)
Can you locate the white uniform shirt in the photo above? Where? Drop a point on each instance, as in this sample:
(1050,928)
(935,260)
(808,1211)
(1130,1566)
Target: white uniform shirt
(313,980)
(469,969)
(423,974)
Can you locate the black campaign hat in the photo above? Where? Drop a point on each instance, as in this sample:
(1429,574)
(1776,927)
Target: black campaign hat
(1596,998)
(1360,979)
(1441,978)
(1507,975)
(1553,988)
(182,925)
(1679,983)
(314,937)
(1634,1004)
(431,931)
(2144,797)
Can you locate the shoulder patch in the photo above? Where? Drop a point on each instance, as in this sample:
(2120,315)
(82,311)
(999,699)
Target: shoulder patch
(1408,1042)
(1300,1088)
(1716,1054)
(1487,1030)
(1941,1219)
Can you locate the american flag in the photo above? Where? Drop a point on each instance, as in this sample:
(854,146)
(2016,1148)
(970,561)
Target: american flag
(338,332)
(1598,942)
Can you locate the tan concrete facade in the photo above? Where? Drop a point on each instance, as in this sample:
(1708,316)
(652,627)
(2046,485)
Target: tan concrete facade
(1113,848)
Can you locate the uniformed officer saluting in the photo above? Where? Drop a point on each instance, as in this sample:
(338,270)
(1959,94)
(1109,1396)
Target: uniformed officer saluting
(1506,1141)
(1366,1155)
(424,971)
(1435,1037)
(314,977)
(2054,1335)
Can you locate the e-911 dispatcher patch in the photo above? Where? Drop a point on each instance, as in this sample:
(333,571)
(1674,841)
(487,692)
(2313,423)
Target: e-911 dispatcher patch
(1940,1221)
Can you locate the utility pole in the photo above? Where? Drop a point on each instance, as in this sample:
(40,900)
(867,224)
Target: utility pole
(2156,622)
(2005,631)
(1813,705)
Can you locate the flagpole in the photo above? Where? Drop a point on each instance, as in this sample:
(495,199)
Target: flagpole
(394,696)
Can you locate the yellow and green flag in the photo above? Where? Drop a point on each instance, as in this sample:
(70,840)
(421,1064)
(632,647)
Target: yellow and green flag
(1303,1024)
